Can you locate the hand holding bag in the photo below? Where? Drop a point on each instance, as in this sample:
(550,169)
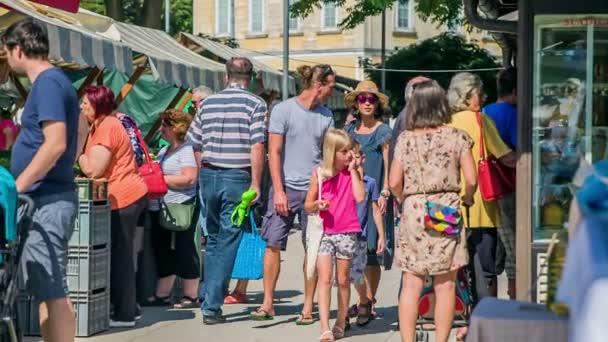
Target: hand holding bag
(314,234)
(442,218)
(495,180)
(249,262)
(152,174)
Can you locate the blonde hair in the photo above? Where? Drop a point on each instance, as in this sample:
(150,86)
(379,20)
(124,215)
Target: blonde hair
(335,140)
(461,87)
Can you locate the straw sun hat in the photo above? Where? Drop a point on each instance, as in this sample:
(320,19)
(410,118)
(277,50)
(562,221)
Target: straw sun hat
(365,87)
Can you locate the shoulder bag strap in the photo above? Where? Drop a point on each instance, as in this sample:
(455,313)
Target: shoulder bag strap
(143,145)
(419,162)
(482,149)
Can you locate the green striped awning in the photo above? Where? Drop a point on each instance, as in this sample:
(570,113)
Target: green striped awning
(73,43)
(171,62)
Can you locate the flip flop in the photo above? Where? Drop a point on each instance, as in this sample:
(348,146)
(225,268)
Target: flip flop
(261,315)
(305,319)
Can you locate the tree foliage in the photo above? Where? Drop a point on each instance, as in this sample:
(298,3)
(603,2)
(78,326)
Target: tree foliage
(437,11)
(148,13)
(431,54)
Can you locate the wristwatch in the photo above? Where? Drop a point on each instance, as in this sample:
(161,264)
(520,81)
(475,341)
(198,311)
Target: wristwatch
(385,193)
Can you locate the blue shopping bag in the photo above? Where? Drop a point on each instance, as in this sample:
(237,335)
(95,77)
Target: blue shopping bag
(249,262)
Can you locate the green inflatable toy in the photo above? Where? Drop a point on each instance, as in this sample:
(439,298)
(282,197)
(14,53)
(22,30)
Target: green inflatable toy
(242,209)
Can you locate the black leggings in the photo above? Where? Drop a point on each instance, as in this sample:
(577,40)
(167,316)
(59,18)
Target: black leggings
(175,252)
(122,273)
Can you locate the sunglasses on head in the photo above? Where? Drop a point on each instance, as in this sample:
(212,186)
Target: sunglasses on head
(363,99)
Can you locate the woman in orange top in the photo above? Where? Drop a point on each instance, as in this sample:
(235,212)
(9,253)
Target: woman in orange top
(108,154)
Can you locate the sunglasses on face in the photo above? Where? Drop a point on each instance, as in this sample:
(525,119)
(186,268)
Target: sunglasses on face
(363,99)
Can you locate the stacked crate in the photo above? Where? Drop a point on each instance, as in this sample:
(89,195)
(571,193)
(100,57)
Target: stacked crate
(88,269)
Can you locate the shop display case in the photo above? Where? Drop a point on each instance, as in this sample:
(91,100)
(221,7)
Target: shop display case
(570,112)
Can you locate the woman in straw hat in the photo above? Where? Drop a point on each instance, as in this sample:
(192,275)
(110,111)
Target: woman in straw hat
(374,136)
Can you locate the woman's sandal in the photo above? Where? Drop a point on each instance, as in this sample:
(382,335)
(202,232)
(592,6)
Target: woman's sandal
(157,301)
(305,319)
(337,332)
(364,314)
(261,315)
(327,336)
(187,303)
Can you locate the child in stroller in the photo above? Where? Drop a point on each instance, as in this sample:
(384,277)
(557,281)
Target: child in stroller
(15,219)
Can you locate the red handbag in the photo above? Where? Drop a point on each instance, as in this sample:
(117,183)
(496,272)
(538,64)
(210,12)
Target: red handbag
(152,173)
(495,180)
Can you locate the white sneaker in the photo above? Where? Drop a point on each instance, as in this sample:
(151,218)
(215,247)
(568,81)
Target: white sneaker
(120,324)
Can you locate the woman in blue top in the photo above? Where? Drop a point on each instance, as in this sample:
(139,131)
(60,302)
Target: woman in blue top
(374,137)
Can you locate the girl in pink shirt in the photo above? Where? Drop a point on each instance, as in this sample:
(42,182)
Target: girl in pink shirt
(341,189)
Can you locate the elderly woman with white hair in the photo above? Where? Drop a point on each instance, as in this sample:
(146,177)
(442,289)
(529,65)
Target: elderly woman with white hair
(466,97)
(199,94)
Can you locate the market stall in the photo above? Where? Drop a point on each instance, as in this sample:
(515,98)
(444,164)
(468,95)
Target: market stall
(270,78)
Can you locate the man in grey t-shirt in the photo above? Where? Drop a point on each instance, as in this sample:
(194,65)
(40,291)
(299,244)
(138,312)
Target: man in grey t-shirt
(296,131)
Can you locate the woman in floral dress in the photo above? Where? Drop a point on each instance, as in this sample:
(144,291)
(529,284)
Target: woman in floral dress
(428,160)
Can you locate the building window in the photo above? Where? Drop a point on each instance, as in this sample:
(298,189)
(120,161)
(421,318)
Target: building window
(403,18)
(256,16)
(294,23)
(330,15)
(222,15)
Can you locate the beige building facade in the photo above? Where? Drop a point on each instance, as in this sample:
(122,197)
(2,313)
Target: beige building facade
(258,27)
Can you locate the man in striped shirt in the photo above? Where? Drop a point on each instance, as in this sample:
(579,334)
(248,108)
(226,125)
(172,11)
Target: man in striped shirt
(228,134)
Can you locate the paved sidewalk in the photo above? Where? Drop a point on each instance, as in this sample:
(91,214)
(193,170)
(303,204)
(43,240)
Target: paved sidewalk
(160,325)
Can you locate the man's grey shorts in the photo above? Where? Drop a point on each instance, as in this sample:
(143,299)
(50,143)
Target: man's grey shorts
(44,258)
(275,228)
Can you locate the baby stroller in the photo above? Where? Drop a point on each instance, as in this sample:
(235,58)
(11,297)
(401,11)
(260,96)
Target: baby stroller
(15,221)
(426,305)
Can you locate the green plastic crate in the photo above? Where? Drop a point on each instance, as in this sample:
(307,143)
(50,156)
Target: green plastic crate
(92,311)
(88,268)
(92,227)
(92,190)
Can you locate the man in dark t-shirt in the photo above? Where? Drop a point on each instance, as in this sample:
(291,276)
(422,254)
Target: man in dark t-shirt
(42,163)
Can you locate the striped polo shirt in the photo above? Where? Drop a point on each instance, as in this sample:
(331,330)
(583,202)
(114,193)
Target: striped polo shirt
(227,125)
